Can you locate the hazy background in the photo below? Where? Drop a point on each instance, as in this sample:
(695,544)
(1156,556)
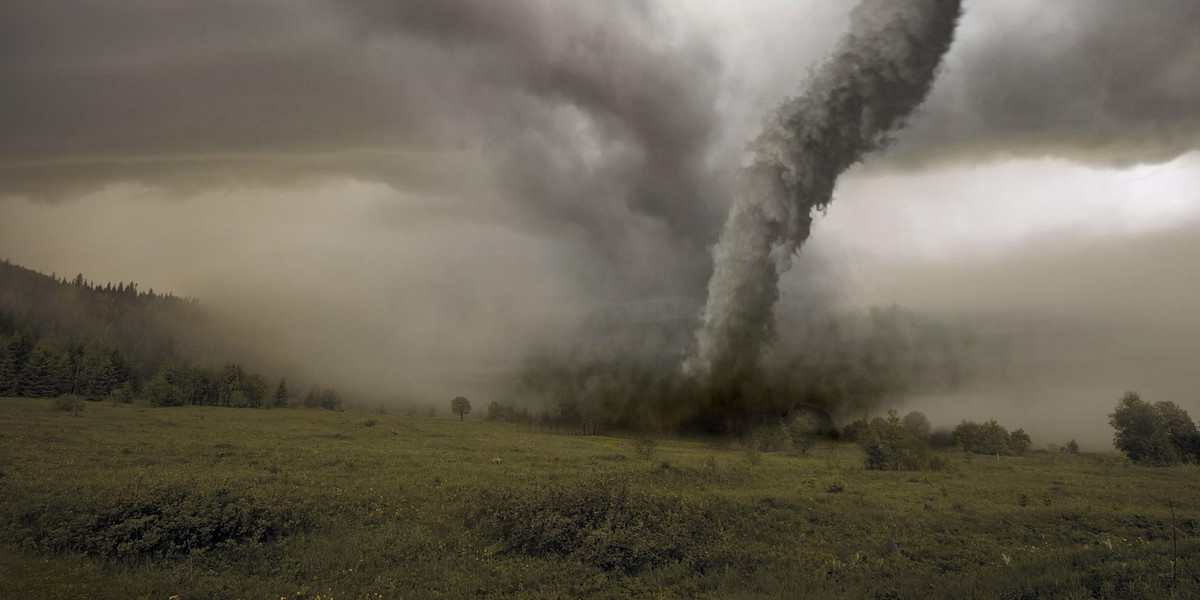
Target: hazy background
(406,199)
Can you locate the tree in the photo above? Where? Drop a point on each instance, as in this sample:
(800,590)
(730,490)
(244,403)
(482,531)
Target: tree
(160,392)
(460,406)
(45,372)
(321,398)
(892,447)
(995,438)
(1174,420)
(12,361)
(918,424)
(255,389)
(1180,430)
(1019,442)
(1072,447)
(1140,433)
(856,430)
(280,399)
(331,400)
(801,433)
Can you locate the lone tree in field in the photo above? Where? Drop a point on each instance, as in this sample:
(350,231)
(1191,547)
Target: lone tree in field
(460,406)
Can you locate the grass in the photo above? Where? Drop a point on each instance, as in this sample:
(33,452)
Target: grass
(126,501)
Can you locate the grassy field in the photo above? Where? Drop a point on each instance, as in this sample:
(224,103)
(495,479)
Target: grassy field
(133,502)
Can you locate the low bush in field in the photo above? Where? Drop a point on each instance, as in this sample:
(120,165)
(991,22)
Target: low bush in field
(164,523)
(645,448)
(601,523)
(68,403)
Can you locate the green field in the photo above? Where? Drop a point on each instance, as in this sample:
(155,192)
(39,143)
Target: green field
(125,501)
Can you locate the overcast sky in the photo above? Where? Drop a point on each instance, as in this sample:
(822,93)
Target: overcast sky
(411,195)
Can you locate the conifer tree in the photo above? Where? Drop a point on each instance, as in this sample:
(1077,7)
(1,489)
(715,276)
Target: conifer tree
(280,400)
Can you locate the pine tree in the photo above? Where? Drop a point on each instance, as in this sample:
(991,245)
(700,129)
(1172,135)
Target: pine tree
(12,363)
(41,374)
(280,400)
(99,373)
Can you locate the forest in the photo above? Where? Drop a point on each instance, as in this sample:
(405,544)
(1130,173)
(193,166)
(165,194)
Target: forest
(62,336)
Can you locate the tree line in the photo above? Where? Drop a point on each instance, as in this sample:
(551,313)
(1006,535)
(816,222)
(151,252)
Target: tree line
(114,342)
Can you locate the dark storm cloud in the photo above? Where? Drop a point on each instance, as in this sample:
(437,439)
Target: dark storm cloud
(1108,82)
(584,116)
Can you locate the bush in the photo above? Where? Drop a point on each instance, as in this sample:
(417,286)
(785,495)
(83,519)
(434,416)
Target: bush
(122,395)
(68,403)
(1072,447)
(599,522)
(645,448)
(167,522)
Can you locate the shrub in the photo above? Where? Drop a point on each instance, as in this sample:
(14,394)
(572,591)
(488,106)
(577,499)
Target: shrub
(1072,447)
(68,403)
(599,522)
(167,522)
(122,395)
(645,448)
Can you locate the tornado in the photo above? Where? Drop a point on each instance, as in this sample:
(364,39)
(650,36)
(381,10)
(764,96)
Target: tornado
(880,72)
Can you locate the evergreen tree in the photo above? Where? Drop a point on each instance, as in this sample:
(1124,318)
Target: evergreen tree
(255,389)
(43,373)
(12,363)
(232,380)
(280,399)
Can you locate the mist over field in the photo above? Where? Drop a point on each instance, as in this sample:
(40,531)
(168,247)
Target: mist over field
(409,200)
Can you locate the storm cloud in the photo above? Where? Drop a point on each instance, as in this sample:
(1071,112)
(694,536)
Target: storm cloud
(589,121)
(1104,82)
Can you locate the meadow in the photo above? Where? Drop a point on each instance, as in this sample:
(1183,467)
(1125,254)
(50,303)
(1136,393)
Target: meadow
(128,501)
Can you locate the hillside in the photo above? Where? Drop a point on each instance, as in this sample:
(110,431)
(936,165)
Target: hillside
(71,336)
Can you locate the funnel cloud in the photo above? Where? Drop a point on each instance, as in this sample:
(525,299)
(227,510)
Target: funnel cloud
(880,73)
